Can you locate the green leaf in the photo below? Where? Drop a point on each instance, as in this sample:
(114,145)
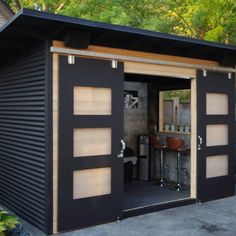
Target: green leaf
(7,221)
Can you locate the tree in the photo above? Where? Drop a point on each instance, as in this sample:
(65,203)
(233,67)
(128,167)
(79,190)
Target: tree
(213,20)
(44,5)
(183,95)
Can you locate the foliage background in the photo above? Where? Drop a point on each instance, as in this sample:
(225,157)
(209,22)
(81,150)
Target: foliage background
(213,20)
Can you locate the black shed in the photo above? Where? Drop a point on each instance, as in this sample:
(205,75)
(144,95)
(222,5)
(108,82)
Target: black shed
(62,117)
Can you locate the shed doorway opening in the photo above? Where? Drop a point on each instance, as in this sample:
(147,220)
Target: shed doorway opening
(157,133)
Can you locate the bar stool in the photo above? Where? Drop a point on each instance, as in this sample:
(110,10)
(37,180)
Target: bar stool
(176,144)
(155,143)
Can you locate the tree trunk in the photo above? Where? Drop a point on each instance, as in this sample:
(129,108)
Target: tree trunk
(46,7)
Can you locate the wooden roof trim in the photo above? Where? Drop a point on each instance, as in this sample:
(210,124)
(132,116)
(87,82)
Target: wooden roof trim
(143,54)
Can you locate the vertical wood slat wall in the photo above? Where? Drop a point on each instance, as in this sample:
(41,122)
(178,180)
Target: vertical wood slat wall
(22,136)
(55,118)
(193,184)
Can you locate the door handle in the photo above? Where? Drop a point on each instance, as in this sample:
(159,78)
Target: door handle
(199,146)
(121,154)
(123,144)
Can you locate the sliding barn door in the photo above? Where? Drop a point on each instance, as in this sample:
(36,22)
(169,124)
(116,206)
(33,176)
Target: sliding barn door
(215,130)
(90,133)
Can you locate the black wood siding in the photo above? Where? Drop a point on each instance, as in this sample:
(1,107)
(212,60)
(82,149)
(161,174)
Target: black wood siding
(23,128)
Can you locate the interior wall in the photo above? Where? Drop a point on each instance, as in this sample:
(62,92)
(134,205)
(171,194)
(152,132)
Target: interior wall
(136,119)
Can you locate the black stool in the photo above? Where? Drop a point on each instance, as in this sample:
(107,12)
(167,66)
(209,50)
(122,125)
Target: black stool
(155,143)
(176,144)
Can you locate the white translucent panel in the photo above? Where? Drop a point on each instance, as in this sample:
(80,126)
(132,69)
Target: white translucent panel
(216,166)
(216,104)
(91,182)
(92,101)
(92,142)
(216,135)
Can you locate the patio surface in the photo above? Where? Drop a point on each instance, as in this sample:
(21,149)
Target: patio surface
(215,218)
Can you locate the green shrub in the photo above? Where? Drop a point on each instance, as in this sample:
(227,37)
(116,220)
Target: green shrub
(7,222)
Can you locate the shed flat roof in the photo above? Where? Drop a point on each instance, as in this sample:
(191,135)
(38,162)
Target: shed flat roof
(17,35)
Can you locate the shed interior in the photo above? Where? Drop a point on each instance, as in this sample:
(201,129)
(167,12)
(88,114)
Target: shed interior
(143,170)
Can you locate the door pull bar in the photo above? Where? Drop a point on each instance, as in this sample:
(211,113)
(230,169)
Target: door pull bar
(199,146)
(121,154)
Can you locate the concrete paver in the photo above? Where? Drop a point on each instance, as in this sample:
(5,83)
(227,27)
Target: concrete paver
(215,218)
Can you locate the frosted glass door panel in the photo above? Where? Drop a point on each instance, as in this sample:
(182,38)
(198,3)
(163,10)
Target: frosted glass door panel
(92,101)
(216,166)
(216,135)
(91,182)
(216,104)
(92,142)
